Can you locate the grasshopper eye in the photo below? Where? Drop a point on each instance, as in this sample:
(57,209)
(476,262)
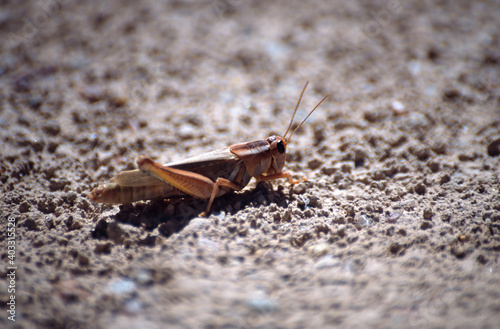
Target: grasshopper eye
(281,147)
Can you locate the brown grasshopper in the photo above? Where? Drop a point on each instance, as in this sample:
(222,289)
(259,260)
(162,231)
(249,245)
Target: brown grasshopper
(206,176)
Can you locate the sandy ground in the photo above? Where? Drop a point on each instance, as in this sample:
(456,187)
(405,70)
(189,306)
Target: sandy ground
(397,227)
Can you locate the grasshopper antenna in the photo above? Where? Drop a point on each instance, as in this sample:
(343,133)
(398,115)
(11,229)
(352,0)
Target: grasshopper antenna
(290,137)
(296,107)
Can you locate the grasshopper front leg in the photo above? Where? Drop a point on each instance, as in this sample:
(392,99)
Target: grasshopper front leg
(279,175)
(193,184)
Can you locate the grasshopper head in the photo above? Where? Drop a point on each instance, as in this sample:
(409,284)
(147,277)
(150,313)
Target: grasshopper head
(278,152)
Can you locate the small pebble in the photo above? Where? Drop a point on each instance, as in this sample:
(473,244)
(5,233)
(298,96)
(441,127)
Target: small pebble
(121,286)
(83,259)
(104,247)
(300,188)
(396,248)
(57,184)
(133,306)
(186,132)
(37,145)
(320,249)
(433,165)
(392,217)
(363,220)
(39,241)
(51,128)
(222,258)
(263,305)
(314,164)
(458,251)
(114,232)
(398,108)
(314,201)
(277,217)
(426,225)
(35,102)
(427,213)
(242,231)
(24,207)
(346,167)
(30,224)
(328,170)
(420,188)
(52,147)
(286,216)
(143,277)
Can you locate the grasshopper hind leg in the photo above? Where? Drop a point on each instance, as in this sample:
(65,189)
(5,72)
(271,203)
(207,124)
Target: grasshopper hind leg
(191,183)
(220,182)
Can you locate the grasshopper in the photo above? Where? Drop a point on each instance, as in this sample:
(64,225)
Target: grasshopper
(206,176)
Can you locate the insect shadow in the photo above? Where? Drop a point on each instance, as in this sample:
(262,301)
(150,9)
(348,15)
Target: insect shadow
(172,215)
